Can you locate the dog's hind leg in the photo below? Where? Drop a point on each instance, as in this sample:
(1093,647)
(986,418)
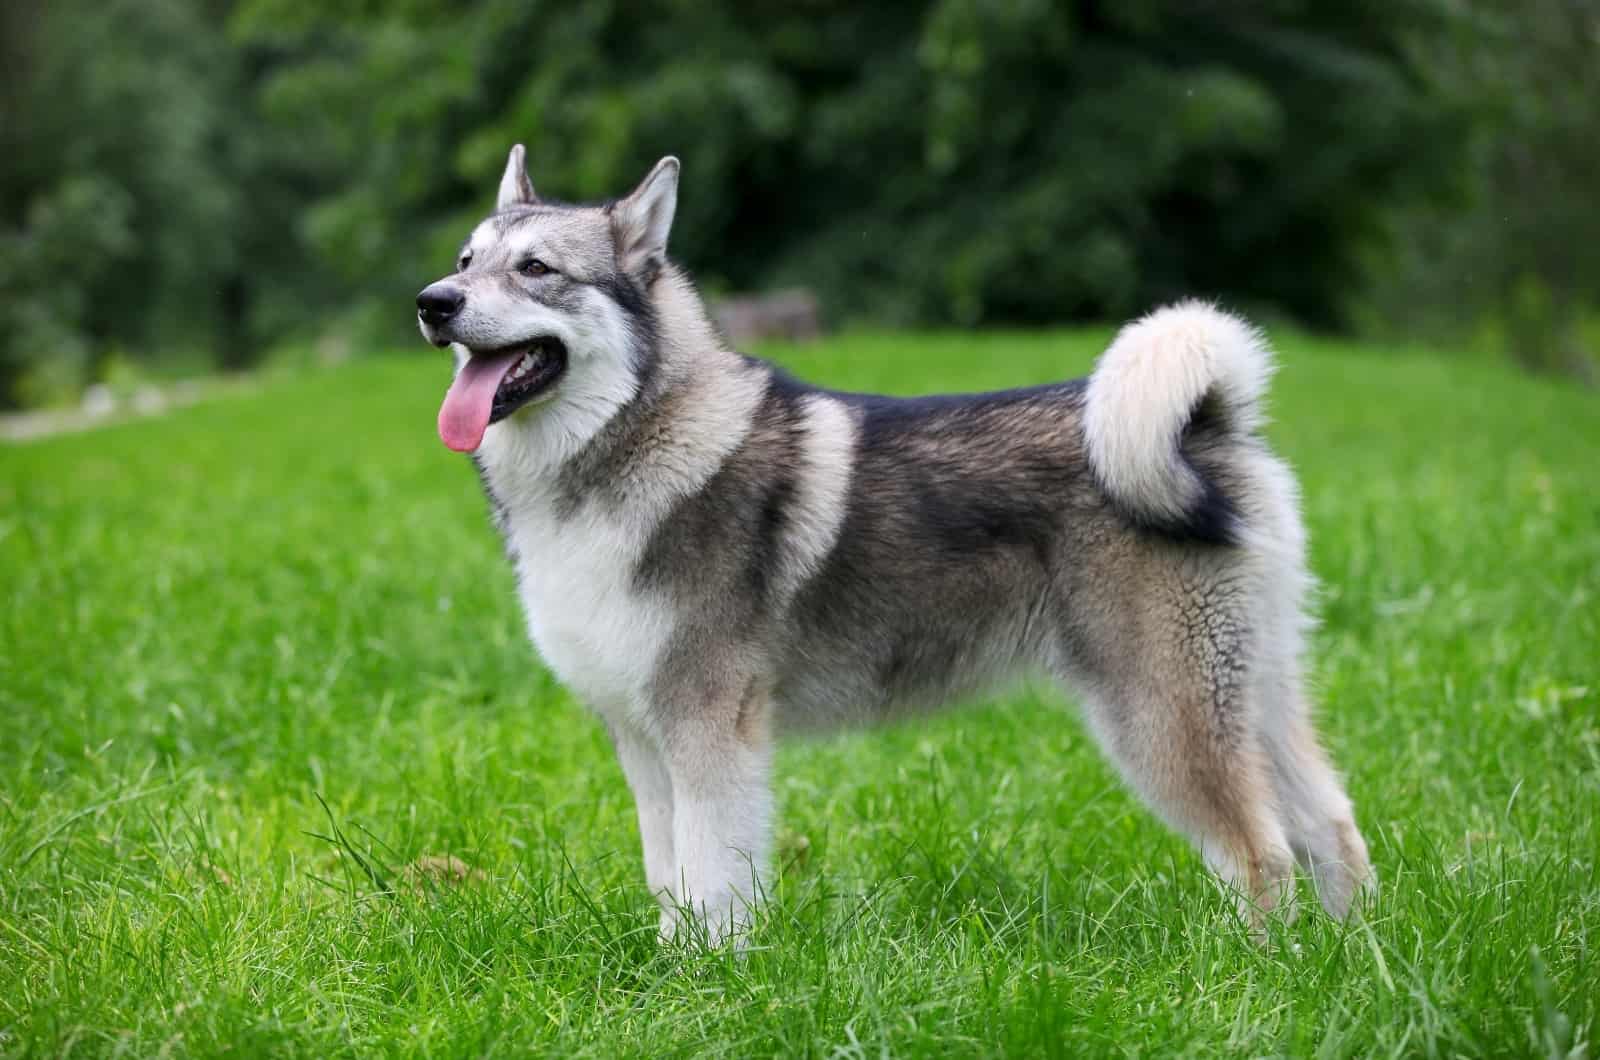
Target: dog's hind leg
(1312,803)
(1176,712)
(1313,806)
(1208,782)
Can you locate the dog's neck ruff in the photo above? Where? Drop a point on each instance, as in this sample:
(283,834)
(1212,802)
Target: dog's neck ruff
(645,423)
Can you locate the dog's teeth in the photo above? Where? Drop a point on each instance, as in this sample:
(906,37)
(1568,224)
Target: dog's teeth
(532,361)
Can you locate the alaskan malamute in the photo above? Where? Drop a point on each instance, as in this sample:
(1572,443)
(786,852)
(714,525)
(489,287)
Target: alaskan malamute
(710,552)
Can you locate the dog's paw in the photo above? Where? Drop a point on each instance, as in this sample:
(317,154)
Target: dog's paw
(667,930)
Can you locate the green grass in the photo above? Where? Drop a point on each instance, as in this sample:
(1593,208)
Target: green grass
(216,618)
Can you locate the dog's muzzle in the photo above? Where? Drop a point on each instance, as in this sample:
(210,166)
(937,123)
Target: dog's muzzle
(438,303)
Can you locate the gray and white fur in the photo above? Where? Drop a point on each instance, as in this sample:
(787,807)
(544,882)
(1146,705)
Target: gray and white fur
(711,553)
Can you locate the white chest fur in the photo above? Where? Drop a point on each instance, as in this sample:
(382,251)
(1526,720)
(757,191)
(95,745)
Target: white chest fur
(595,629)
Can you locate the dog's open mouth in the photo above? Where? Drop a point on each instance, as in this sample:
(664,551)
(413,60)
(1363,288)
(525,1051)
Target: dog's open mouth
(495,383)
(531,374)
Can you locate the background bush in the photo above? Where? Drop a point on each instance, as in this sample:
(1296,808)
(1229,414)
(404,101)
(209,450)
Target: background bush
(207,180)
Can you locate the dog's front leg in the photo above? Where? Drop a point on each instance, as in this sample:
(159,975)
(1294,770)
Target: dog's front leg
(646,769)
(719,756)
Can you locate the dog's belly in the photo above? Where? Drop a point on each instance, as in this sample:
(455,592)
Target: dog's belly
(598,634)
(913,637)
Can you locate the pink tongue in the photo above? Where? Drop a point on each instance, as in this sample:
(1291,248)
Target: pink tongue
(464,416)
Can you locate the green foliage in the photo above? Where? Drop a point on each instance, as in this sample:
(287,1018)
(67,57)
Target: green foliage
(1511,255)
(226,177)
(956,161)
(142,205)
(217,616)
(80,227)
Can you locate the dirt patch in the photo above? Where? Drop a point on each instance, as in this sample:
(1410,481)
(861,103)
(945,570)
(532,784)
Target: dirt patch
(432,871)
(102,407)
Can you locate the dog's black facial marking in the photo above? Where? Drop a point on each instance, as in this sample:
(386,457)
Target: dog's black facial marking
(646,340)
(634,301)
(621,289)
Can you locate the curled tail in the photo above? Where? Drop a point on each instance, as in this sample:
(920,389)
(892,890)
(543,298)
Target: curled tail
(1176,394)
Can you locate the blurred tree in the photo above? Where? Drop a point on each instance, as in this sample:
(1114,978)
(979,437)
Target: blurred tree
(1511,253)
(217,175)
(960,161)
(140,209)
(111,201)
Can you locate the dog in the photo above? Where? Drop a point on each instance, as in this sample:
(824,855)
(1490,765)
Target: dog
(711,553)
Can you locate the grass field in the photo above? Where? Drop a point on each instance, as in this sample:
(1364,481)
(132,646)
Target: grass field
(218,620)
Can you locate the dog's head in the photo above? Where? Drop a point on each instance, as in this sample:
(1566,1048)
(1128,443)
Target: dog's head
(549,302)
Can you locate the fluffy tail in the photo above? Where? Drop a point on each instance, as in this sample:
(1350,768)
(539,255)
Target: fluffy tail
(1174,394)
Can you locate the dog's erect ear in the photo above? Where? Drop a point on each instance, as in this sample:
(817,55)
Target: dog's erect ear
(515,187)
(640,222)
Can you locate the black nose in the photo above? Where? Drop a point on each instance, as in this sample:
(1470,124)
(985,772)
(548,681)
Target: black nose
(439,302)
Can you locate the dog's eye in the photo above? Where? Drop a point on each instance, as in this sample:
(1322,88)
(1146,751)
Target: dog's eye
(466,259)
(535,267)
